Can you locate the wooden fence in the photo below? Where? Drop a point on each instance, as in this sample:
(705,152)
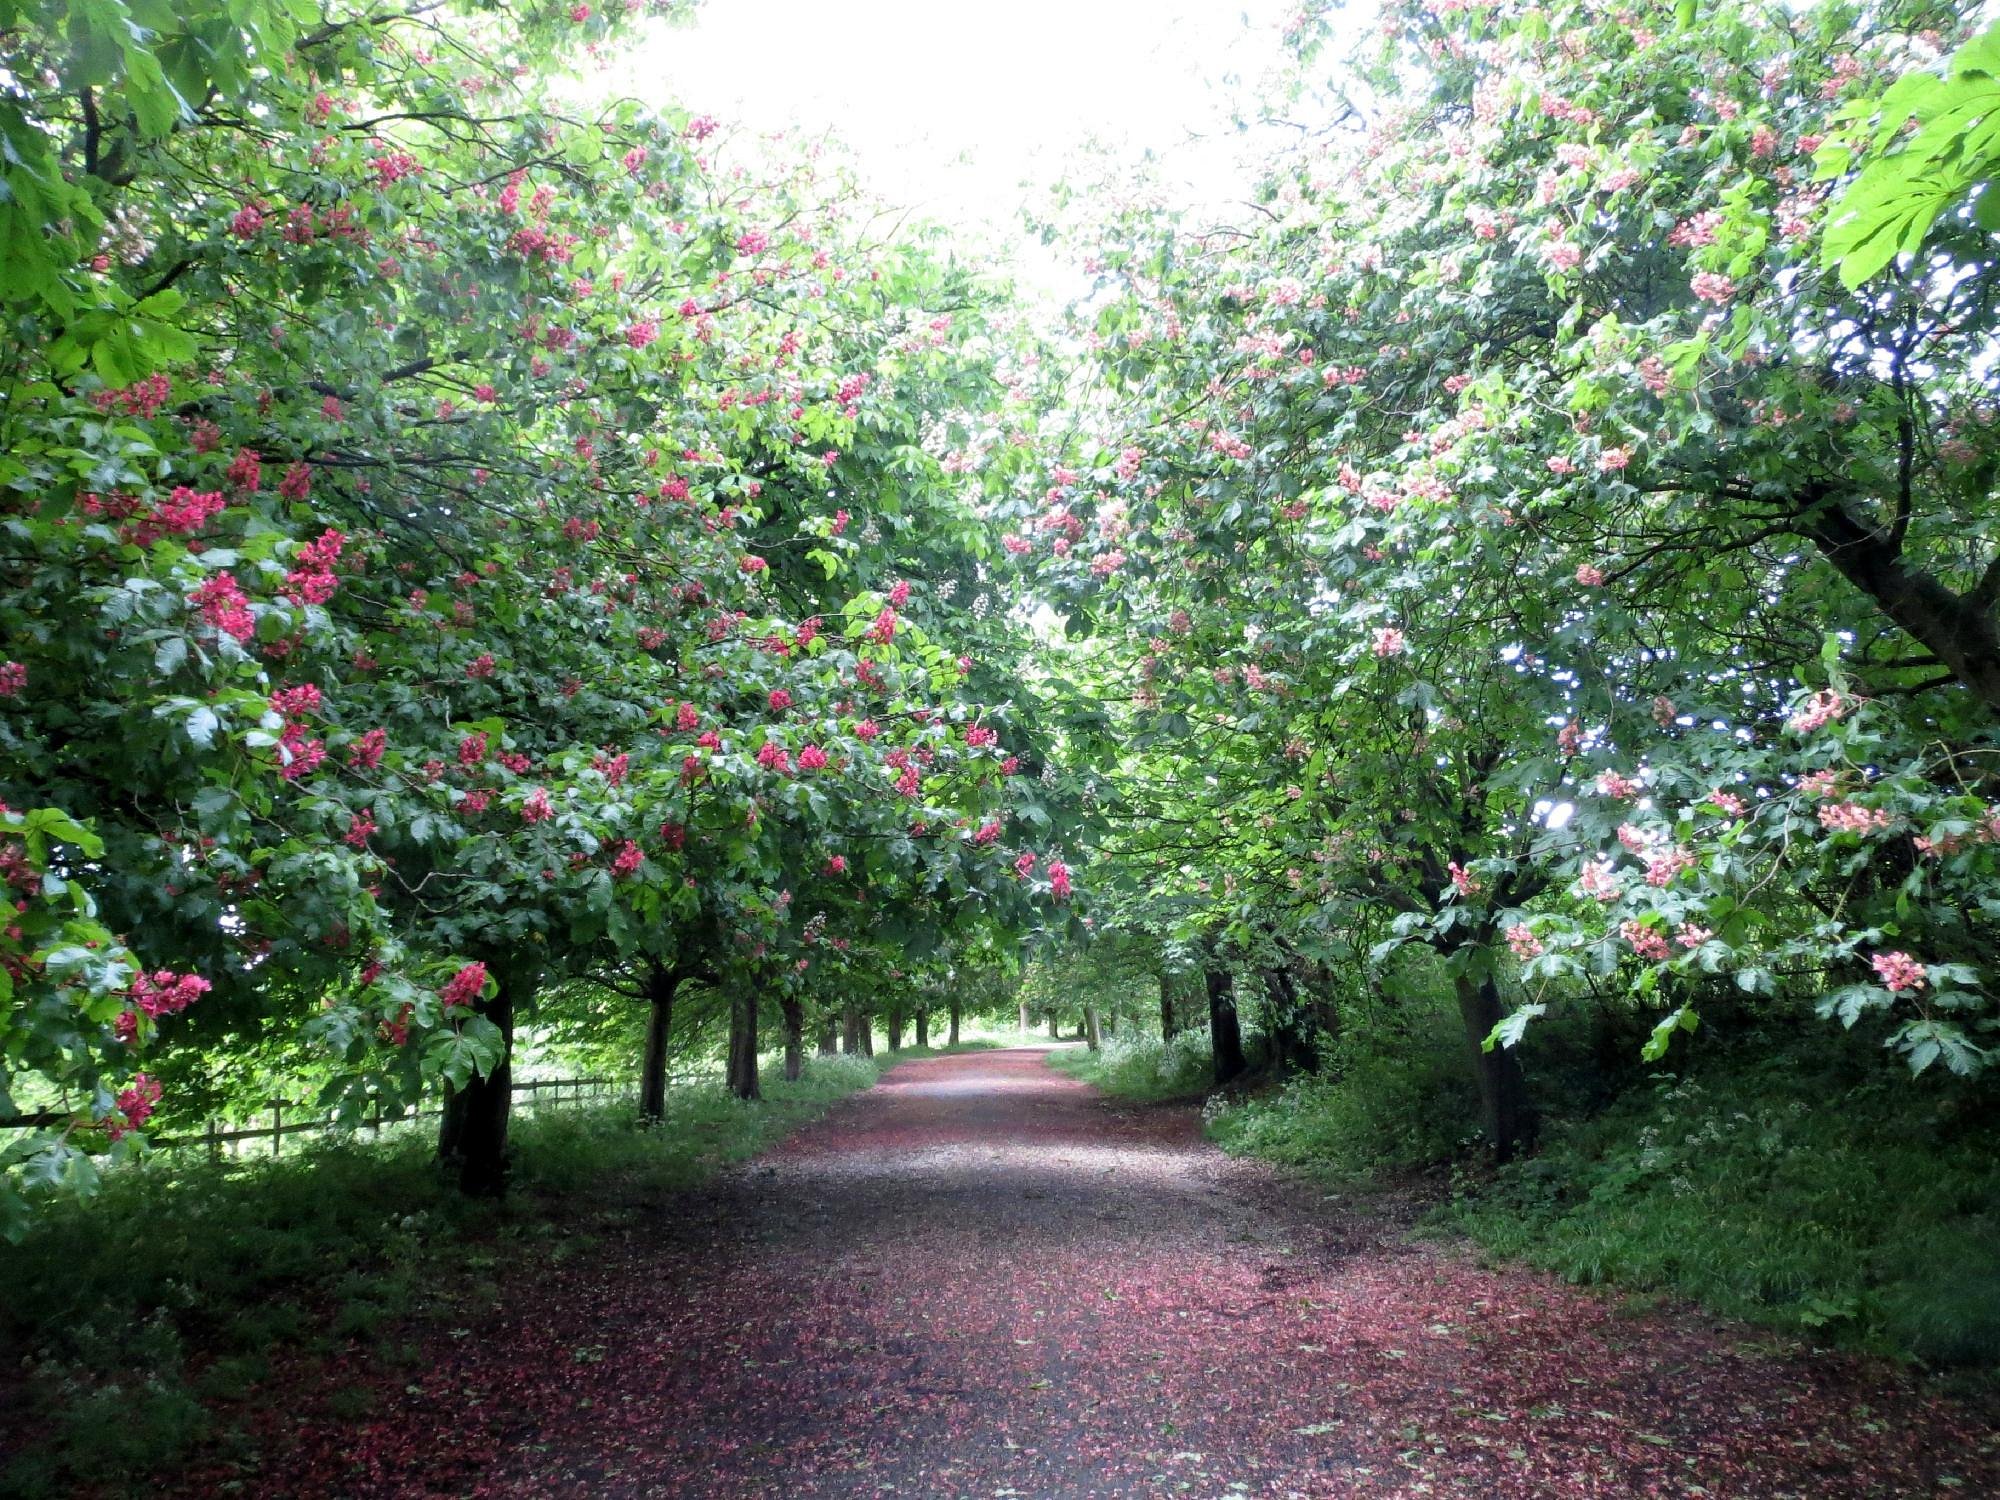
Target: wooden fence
(290,1118)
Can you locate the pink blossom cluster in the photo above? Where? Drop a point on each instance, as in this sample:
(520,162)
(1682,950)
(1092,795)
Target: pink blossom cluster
(1663,865)
(1899,972)
(299,754)
(182,513)
(1598,882)
(297,703)
(463,989)
(773,757)
(223,605)
(625,863)
(536,808)
(312,580)
(1648,942)
(1614,784)
(1852,817)
(13,678)
(365,753)
(1522,940)
(165,993)
(142,398)
(1818,711)
(1713,287)
(134,1106)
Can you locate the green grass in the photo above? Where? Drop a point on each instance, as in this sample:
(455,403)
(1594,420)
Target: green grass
(1867,1216)
(107,1300)
(1142,1067)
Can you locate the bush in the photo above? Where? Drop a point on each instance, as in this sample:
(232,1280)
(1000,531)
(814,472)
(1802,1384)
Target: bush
(1144,1067)
(1369,1109)
(1869,1215)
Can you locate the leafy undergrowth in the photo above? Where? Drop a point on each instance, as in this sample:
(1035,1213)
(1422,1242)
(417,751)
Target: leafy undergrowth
(136,1325)
(1868,1214)
(1142,1068)
(1826,1199)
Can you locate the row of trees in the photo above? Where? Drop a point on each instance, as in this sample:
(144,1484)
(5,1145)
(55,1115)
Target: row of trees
(1511,537)
(459,546)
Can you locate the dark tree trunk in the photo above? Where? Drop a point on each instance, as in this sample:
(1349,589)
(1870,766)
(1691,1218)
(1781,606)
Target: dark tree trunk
(1090,1032)
(867,1028)
(661,983)
(1292,1042)
(742,1067)
(850,1030)
(1505,1112)
(952,1040)
(1055,1027)
(1024,1017)
(795,1037)
(1224,1032)
(1167,1007)
(895,1028)
(923,1025)
(472,1133)
(828,1039)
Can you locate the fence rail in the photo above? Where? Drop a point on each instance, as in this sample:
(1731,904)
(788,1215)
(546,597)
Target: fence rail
(573,1092)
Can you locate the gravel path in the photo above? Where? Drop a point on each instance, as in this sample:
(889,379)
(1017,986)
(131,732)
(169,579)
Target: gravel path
(982,1279)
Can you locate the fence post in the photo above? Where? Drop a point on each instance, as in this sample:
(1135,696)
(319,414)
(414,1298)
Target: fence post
(277,1126)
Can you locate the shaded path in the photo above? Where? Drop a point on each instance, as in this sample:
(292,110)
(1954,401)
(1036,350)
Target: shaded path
(982,1279)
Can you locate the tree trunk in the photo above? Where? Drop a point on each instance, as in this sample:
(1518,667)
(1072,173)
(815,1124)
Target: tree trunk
(827,1042)
(1055,1028)
(1166,1007)
(1024,1017)
(867,1026)
(850,1030)
(472,1133)
(952,1040)
(923,1025)
(1292,1043)
(1505,1112)
(895,1028)
(1090,1031)
(661,983)
(1225,1034)
(795,1037)
(742,1066)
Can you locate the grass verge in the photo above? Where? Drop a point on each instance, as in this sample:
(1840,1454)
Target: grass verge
(134,1322)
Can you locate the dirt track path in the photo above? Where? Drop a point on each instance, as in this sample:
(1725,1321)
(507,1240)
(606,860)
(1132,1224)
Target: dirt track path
(982,1279)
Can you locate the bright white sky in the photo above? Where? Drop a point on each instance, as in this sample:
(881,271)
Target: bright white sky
(948,106)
